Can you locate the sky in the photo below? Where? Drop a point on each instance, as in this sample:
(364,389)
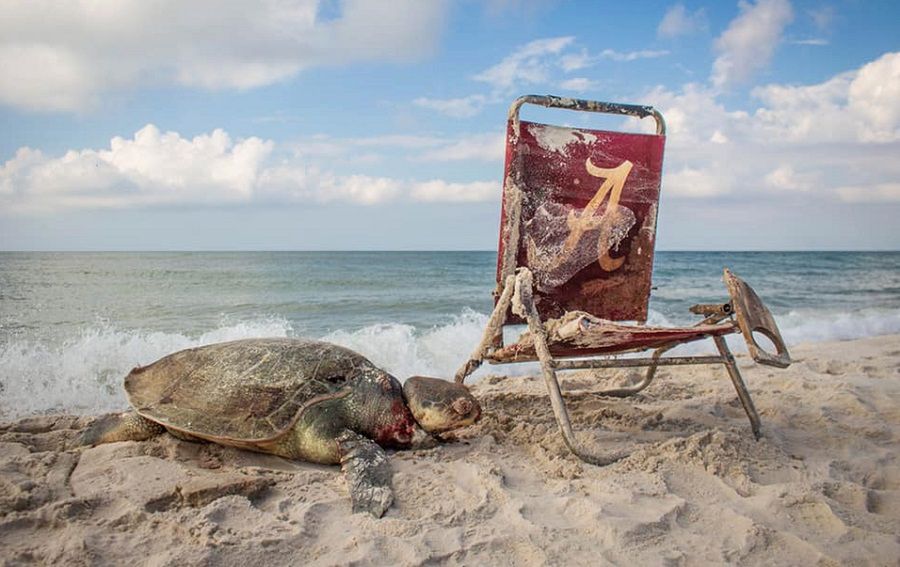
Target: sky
(369,125)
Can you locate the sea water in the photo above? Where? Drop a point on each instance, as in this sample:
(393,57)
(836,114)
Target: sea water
(73,324)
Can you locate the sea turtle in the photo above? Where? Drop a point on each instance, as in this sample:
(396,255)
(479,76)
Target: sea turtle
(294,398)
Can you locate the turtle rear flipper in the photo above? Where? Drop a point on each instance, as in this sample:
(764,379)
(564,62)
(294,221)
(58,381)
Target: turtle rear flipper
(128,426)
(368,473)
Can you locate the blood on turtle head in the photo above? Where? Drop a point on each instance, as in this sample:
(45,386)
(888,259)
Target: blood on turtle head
(394,415)
(439,405)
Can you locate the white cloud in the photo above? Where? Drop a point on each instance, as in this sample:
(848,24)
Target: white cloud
(579,84)
(859,106)
(321,146)
(750,40)
(718,137)
(695,183)
(836,140)
(575,61)
(678,22)
(150,169)
(471,147)
(694,116)
(530,64)
(16,168)
(44,77)
(163,168)
(807,112)
(876,193)
(815,41)
(535,63)
(632,55)
(463,107)
(309,184)
(875,97)
(64,56)
(438,190)
(785,178)
(478,147)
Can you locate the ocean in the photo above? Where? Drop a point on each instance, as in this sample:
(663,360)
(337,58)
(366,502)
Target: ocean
(73,324)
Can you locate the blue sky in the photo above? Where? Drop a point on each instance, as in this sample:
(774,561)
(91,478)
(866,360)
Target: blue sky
(134,125)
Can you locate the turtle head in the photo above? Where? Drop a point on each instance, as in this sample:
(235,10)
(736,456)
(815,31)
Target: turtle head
(439,405)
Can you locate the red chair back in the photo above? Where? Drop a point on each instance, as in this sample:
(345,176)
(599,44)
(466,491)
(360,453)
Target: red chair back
(579,210)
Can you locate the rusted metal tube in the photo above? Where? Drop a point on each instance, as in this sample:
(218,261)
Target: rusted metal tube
(738,382)
(635,362)
(550,101)
(524,303)
(712,309)
(648,377)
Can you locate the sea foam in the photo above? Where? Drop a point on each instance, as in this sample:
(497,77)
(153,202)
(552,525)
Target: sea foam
(83,373)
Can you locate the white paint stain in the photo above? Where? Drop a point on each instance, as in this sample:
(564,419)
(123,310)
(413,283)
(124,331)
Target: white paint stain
(556,139)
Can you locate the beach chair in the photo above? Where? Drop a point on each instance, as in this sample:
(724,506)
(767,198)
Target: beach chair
(577,233)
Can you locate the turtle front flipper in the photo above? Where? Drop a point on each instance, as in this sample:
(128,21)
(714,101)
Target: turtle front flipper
(128,426)
(368,473)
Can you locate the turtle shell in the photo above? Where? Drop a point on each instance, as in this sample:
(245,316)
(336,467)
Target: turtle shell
(242,391)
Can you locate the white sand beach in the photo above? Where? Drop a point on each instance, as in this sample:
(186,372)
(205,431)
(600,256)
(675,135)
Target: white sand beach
(821,488)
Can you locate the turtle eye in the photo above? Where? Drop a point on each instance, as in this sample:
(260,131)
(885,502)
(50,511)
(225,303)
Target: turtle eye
(462,406)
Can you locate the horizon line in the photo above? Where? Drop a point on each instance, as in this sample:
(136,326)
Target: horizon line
(396,250)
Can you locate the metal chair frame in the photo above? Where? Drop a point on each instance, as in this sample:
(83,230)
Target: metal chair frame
(745,313)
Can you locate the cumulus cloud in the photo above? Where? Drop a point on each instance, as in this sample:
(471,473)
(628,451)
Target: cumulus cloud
(64,56)
(750,40)
(836,139)
(155,168)
(859,105)
(678,22)
(151,168)
(874,95)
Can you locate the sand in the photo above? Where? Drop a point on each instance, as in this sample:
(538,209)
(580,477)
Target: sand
(821,488)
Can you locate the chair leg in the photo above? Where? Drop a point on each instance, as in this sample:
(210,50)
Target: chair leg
(523,305)
(742,392)
(632,390)
(493,328)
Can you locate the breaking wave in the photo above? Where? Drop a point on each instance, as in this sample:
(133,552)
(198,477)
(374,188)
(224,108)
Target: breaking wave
(83,373)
